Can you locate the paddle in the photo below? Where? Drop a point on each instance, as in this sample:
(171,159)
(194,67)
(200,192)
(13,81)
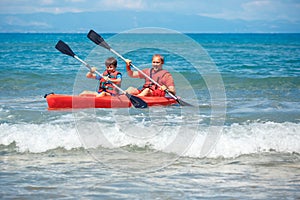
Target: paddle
(65,49)
(96,38)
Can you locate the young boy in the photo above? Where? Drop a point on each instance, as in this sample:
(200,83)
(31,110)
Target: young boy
(110,75)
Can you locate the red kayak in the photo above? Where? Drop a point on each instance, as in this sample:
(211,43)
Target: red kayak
(59,101)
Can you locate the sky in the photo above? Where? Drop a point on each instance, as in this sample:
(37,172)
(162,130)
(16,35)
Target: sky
(281,14)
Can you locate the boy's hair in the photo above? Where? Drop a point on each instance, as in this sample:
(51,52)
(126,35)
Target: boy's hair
(160,56)
(111,61)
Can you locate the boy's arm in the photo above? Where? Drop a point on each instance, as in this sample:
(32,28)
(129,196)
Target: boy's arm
(91,74)
(114,80)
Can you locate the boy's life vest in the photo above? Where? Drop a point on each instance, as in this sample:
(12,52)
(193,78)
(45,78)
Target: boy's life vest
(107,86)
(157,76)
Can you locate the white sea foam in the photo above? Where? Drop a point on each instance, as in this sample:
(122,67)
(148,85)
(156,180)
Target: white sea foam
(39,138)
(258,137)
(236,140)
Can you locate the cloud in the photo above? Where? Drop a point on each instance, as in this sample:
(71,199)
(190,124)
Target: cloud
(76,1)
(123,4)
(46,2)
(221,9)
(257,4)
(16,21)
(255,10)
(35,6)
(59,10)
(272,10)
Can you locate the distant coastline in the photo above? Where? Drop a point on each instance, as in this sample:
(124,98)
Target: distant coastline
(127,20)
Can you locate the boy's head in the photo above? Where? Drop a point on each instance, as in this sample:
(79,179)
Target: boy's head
(111,64)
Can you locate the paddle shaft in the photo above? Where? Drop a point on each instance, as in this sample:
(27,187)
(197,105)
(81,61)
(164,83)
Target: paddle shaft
(156,83)
(89,67)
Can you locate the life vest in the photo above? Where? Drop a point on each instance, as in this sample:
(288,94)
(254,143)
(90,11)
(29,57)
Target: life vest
(107,86)
(157,76)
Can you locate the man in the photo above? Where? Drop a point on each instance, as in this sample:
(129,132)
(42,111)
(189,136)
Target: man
(161,76)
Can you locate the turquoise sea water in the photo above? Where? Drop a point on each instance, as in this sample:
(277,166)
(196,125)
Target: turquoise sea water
(247,122)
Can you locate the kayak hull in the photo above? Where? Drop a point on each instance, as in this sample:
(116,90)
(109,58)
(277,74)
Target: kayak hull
(59,101)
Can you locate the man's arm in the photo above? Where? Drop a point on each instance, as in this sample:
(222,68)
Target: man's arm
(132,74)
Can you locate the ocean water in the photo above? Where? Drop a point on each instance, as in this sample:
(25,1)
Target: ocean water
(239,141)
